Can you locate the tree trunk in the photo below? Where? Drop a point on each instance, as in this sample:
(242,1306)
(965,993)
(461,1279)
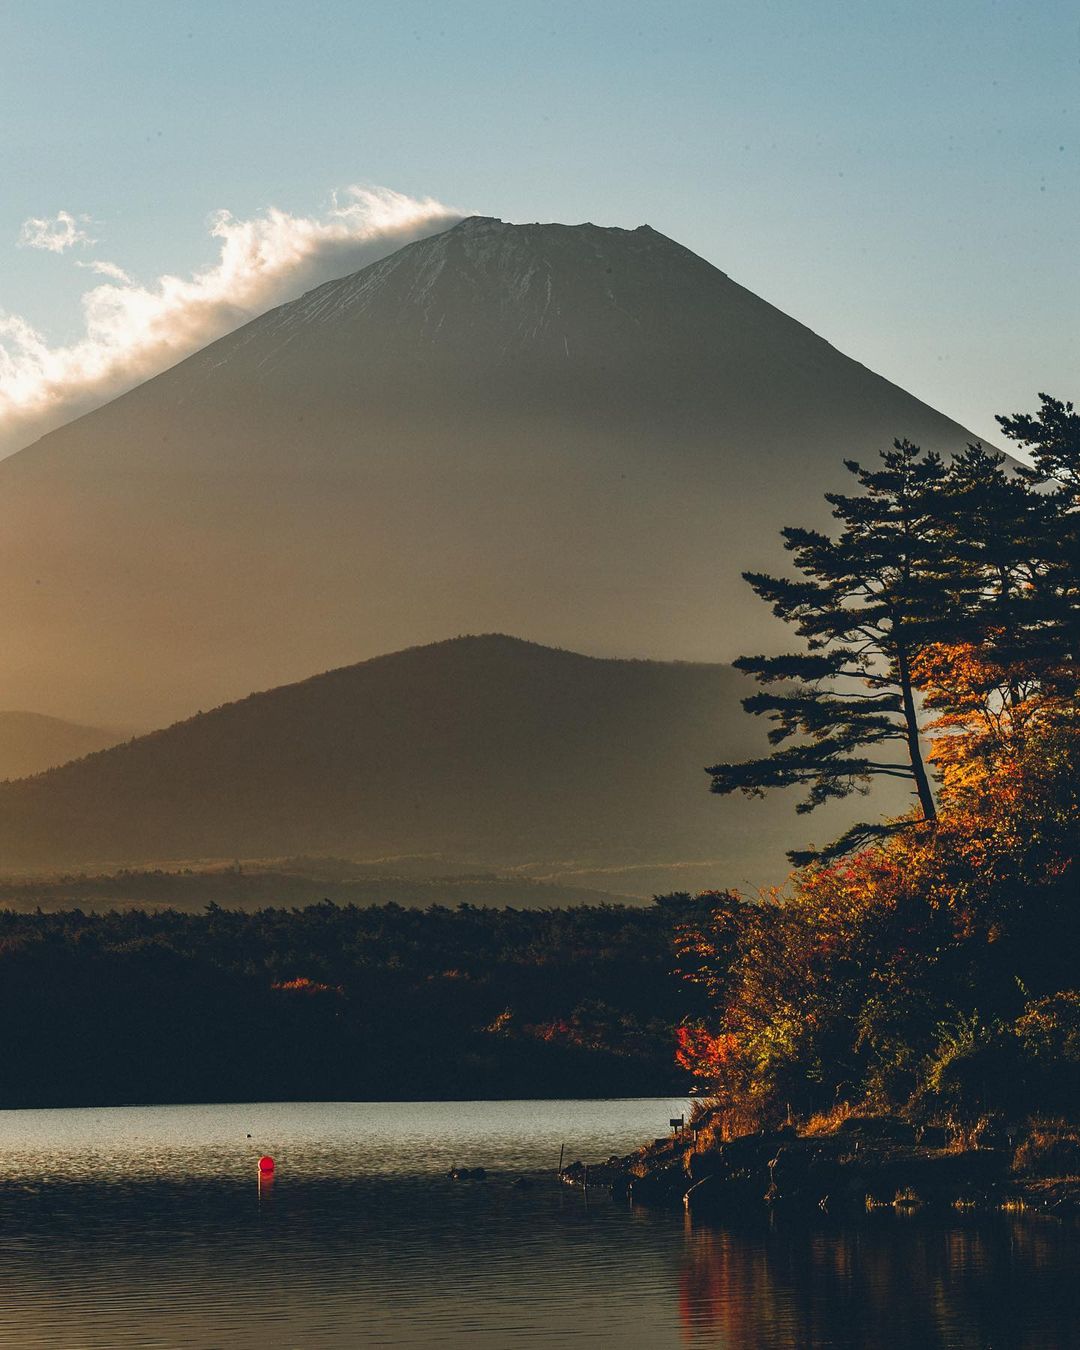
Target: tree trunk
(911,731)
(1005,592)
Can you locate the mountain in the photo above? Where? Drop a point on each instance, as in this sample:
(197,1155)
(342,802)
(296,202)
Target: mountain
(578,433)
(31,743)
(487,751)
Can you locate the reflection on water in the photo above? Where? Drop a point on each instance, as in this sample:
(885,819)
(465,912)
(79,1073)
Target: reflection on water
(152,1226)
(997,1281)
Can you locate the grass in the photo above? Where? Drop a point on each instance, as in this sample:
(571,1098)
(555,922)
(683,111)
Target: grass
(829,1122)
(1051,1149)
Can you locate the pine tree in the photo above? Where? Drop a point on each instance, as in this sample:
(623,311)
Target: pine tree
(993,532)
(1052,439)
(868,603)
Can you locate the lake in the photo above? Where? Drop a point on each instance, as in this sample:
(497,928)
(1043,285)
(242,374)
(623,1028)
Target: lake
(149,1226)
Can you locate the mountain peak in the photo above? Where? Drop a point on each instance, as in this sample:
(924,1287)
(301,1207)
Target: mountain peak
(472,224)
(475,224)
(485,289)
(577,432)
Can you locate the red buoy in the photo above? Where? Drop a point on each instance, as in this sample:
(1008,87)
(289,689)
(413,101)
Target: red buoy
(266,1164)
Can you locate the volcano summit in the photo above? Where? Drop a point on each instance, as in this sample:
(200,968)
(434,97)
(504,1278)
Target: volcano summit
(575,433)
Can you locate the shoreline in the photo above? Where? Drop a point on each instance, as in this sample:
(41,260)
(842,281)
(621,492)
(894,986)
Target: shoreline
(869,1163)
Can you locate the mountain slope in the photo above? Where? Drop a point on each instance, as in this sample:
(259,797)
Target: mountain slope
(487,750)
(31,743)
(583,434)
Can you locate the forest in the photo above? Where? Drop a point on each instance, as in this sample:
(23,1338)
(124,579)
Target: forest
(333,1002)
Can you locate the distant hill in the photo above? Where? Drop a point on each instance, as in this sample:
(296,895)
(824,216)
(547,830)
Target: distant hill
(485,751)
(31,743)
(575,433)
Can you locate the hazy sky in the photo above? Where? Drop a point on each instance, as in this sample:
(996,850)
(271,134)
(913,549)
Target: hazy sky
(901,177)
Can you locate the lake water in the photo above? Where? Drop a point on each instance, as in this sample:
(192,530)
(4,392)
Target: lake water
(149,1226)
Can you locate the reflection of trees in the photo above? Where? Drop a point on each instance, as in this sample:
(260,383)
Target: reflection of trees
(999,1280)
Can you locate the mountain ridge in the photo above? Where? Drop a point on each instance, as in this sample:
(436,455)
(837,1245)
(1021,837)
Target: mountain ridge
(484,751)
(31,742)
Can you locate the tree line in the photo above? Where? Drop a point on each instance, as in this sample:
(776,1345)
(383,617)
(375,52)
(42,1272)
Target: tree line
(337,1002)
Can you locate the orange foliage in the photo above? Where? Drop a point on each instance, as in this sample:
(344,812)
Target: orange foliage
(704,1054)
(306,987)
(848,975)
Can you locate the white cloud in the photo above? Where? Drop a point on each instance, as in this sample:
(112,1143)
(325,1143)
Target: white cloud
(55,234)
(105,269)
(133,331)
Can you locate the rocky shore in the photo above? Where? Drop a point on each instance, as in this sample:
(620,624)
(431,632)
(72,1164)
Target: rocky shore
(867,1163)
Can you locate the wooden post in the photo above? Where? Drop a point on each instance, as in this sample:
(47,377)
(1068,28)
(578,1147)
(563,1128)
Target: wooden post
(562,1150)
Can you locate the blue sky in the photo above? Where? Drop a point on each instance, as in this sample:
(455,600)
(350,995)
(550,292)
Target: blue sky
(903,178)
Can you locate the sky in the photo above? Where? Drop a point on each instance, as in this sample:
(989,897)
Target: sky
(903,178)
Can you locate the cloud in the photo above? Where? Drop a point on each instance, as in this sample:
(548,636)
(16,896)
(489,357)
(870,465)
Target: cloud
(55,234)
(105,269)
(133,331)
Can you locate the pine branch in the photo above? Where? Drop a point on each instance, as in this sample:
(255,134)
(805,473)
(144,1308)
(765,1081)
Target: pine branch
(852,840)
